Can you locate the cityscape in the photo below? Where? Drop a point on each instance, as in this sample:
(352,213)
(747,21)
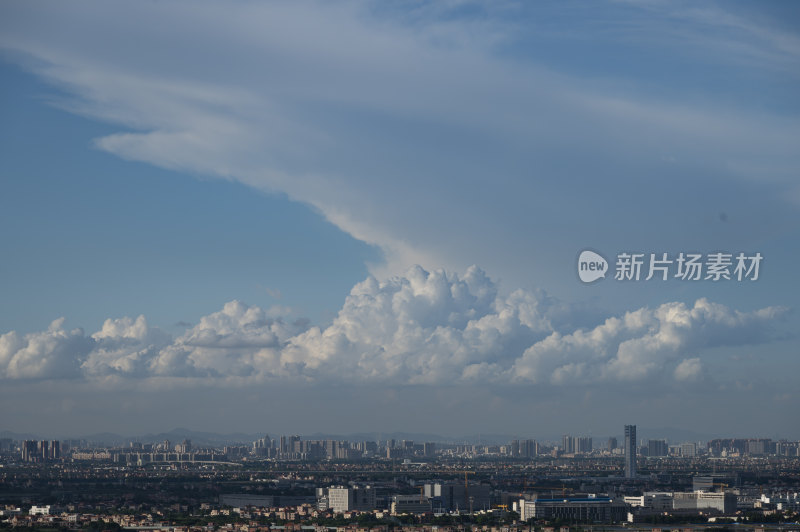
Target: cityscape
(293,483)
(399,266)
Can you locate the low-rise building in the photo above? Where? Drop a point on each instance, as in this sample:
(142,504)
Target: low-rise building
(702,500)
(410,504)
(603,509)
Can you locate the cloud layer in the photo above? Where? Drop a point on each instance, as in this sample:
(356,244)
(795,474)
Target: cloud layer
(371,111)
(422,328)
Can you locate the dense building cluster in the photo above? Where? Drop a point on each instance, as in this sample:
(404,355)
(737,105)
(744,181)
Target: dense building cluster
(290,483)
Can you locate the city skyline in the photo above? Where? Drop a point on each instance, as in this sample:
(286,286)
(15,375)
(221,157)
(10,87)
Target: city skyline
(369,216)
(573,442)
(397,485)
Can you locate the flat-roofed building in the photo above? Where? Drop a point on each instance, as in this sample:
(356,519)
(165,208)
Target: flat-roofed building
(713,482)
(702,500)
(652,500)
(602,509)
(410,504)
(348,498)
(451,496)
(237,500)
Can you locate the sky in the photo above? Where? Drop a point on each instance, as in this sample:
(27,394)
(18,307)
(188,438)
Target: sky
(299,217)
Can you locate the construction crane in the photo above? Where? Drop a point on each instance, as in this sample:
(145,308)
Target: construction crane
(467,503)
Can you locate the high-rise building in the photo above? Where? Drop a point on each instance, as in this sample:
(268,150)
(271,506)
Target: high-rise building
(567,444)
(429,449)
(331,447)
(657,448)
(43,451)
(262,446)
(294,445)
(630,451)
(40,451)
(576,444)
(55,450)
(689,450)
(529,448)
(584,444)
(29,451)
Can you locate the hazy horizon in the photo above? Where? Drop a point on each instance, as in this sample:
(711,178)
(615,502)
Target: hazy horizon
(671,435)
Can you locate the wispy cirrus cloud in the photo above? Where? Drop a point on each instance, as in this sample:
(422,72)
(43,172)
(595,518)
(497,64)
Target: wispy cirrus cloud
(369,113)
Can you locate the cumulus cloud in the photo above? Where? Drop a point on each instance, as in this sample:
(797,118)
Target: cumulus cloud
(689,369)
(425,327)
(642,343)
(239,340)
(124,346)
(54,353)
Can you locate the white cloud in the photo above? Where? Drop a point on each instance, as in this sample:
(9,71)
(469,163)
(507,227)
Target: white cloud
(642,343)
(54,353)
(339,106)
(240,340)
(425,328)
(689,369)
(124,346)
(123,328)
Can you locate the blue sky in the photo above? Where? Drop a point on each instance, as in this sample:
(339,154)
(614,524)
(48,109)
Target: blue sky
(389,199)
(96,234)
